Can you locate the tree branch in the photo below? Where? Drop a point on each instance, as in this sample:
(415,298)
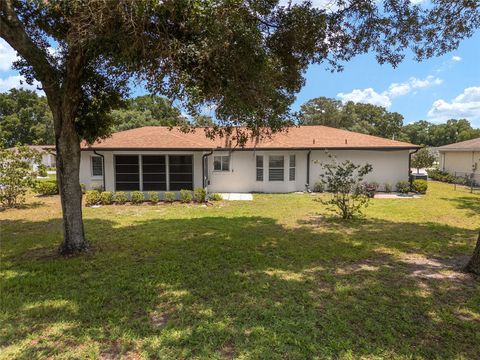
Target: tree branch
(13,31)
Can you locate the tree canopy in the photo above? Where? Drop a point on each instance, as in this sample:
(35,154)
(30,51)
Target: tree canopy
(25,118)
(378,121)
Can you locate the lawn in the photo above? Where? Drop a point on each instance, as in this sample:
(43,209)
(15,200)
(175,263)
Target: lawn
(275,278)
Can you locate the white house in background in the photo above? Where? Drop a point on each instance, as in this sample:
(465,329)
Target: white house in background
(166,159)
(48,155)
(462,157)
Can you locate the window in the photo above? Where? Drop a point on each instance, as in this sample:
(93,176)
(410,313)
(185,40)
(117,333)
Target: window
(154,173)
(97,165)
(259,168)
(291,173)
(275,168)
(127,176)
(221,163)
(180,168)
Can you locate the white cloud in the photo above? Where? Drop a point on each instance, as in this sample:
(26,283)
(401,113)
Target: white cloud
(368,96)
(7,55)
(466,105)
(384,98)
(17,81)
(456,58)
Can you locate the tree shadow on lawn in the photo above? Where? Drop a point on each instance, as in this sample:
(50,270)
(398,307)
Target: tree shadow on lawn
(217,287)
(467,203)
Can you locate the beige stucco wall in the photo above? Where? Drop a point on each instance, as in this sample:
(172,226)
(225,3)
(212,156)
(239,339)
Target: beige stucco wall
(388,167)
(460,161)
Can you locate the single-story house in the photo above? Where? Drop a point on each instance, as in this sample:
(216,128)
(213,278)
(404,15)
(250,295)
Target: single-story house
(166,159)
(461,158)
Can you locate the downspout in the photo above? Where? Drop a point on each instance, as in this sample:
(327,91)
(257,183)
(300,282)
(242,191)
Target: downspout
(204,156)
(103,168)
(307,185)
(410,165)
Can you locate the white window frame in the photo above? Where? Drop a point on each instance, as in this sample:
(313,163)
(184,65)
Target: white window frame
(261,168)
(276,168)
(292,169)
(91,166)
(221,163)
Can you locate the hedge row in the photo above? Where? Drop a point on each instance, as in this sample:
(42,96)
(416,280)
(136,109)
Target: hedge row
(96,197)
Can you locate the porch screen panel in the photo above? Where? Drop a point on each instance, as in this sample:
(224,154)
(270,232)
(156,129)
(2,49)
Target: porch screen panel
(180,169)
(154,172)
(127,173)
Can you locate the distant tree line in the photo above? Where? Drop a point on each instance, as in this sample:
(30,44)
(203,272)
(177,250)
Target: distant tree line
(25,118)
(378,121)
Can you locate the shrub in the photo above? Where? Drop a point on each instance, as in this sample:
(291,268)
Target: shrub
(344,181)
(318,187)
(16,175)
(403,187)
(138,197)
(420,186)
(154,197)
(185,196)
(46,188)
(215,197)
(42,170)
(387,187)
(369,189)
(120,198)
(106,197)
(92,197)
(83,187)
(170,196)
(200,195)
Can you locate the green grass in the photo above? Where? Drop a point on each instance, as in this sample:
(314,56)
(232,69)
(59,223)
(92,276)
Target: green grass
(276,278)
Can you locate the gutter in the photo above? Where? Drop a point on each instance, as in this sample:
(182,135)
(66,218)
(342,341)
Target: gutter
(307,185)
(204,156)
(410,165)
(103,168)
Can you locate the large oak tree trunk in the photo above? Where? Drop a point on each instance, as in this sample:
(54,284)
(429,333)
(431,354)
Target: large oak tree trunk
(68,170)
(473,265)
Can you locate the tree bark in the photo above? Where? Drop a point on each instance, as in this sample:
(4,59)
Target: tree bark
(473,265)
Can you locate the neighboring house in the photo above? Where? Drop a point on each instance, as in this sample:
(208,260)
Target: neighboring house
(48,155)
(164,159)
(461,158)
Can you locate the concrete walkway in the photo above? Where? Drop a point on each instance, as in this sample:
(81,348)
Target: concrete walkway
(237,196)
(396,196)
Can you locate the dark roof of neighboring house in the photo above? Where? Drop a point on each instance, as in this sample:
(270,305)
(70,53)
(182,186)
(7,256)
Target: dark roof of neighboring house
(300,137)
(468,145)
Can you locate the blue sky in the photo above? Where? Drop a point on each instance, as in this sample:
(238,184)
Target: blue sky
(435,90)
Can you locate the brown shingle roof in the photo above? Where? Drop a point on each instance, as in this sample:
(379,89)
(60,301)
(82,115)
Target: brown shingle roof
(301,137)
(467,145)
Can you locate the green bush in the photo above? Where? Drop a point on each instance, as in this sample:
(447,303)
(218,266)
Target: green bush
(83,187)
(387,187)
(92,197)
(200,195)
(403,187)
(215,197)
(154,197)
(138,197)
(439,175)
(106,197)
(46,188)
(420,186)
(185,196)
(42,170)
(318,187)
(120,198)
(170,196)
